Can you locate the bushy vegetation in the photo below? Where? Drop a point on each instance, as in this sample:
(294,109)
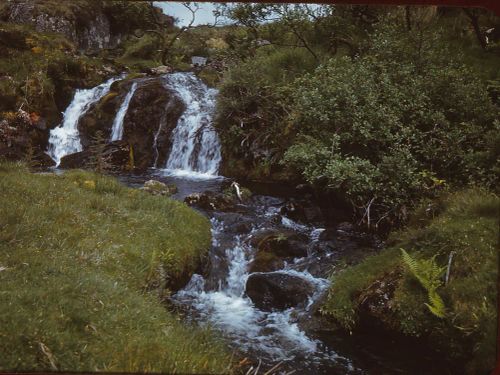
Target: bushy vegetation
(83,263)
(397,113)
(462,226)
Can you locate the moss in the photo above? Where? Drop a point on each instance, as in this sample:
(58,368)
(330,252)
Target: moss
(82,266)
(466,225)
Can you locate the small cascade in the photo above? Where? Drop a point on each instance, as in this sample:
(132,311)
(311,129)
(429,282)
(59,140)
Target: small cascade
(117,130)
(195,144)
(65,139)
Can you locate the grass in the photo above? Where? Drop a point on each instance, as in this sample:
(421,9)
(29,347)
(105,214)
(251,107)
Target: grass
(465,223)
(83,261)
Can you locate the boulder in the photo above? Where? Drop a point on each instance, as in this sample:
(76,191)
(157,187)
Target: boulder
(211,201)
(145,127)
(277,290)
(159,188)
(274,247)
(302,211)
(117,156)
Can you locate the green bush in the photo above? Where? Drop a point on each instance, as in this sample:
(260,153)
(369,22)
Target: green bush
(380,131)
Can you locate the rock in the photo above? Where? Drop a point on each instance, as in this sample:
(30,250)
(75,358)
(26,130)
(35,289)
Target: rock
(117,152)
(302,211)
(210,201)
(145,127)
(265,261)
(89,28)
(162,69)
(274,247)
(277,290)
(159,188)
(23,137)
(282,242)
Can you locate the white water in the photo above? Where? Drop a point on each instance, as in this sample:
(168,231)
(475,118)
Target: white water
(117,130)
(274,335)
(195,144)
(65,139)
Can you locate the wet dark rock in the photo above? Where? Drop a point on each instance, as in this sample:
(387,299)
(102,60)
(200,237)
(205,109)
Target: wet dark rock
(283,243)
(211,201)
(117,154)
(274,247)
(314,322)
(265,261)
(277,290)
(145,127)
(303,211)
(235,223)
(159,188)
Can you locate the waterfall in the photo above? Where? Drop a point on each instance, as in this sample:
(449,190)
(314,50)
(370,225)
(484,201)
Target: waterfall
(117,130)
(65,139)
(195,144)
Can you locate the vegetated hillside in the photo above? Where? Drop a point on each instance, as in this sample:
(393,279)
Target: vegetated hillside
(84,265)
(377,106)
(442,291)
(49,49)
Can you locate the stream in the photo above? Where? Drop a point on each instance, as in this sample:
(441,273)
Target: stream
(264,331)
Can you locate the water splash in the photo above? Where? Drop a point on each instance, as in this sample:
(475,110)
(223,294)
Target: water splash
(195,144)
(65,139)
(117,130)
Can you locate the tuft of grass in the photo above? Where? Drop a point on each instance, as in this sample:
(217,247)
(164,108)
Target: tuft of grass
(465,228)
(83,261)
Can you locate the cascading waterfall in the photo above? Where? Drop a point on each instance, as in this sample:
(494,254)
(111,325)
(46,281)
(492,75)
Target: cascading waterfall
(117,129)
(195,144)
(65,139)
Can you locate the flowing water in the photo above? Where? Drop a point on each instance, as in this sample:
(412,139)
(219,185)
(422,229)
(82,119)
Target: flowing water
(218,297)
(195,144)
(65,139)
(117,129)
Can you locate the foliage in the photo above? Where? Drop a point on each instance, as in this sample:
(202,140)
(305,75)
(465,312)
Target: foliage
(429,274)
(465,223)
(253,103)
(379,130)
(143,48)
(82,267)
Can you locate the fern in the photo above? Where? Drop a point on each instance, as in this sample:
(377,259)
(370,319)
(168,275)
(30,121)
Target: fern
(429,274)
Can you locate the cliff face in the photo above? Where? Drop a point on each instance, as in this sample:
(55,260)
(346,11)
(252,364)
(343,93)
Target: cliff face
(88,27)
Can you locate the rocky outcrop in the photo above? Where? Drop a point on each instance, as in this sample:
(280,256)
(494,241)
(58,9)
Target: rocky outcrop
(86,26)
(151,116)
(117,157)
(23,136)
(277,290)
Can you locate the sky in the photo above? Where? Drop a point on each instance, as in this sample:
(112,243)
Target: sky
(203,15)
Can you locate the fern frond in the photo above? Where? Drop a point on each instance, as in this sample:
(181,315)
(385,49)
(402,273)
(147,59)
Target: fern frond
(436,305)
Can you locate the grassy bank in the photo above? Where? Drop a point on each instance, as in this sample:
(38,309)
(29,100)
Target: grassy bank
(82,261)
(384,289)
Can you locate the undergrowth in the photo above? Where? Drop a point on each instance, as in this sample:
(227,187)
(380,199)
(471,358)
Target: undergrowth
(463,226)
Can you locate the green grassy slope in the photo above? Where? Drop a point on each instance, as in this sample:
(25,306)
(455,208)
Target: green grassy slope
(82,259)
(465,223)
